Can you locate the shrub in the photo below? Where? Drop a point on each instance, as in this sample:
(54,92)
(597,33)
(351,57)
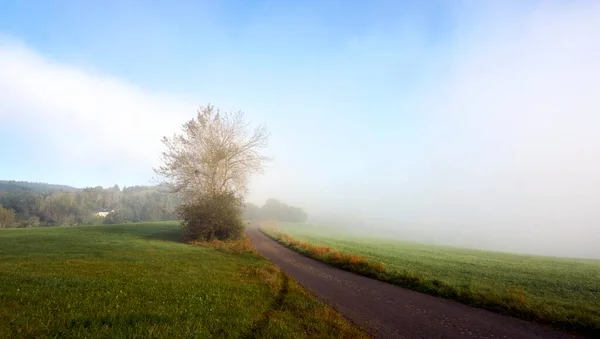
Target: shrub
(211,217)
(31,222)
(7,217)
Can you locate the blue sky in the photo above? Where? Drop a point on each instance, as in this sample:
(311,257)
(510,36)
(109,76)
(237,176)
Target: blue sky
(188,45)
(288,64)
(466,114)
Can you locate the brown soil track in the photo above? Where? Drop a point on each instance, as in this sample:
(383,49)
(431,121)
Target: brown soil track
(388,311)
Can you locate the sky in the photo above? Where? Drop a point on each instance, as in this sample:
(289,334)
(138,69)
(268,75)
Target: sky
(466,122)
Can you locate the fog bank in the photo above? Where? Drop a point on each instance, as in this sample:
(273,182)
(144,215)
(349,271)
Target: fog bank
(505,153)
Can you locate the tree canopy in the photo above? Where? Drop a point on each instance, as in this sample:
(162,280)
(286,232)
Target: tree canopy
(215,154)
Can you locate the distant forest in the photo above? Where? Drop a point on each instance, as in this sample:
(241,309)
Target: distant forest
(275,210)
(27,204)
(40,204)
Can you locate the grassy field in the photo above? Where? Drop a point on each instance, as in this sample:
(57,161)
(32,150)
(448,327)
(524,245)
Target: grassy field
(558,291)
(137,280)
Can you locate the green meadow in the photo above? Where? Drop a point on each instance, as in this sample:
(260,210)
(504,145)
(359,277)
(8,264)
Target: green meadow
(138,280)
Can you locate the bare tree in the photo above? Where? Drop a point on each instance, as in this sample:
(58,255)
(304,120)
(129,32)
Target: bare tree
(216,154)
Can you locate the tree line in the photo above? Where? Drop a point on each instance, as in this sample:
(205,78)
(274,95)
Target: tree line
(32,204)
(25,204)
(275,210)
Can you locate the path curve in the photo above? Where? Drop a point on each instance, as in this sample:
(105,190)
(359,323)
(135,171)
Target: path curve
(389,311)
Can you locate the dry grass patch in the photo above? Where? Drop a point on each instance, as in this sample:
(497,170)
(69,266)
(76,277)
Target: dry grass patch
(345,260)
(229,246)
(269,274)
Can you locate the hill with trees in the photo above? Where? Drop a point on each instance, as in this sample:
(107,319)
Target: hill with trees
(27,204)
(12,185)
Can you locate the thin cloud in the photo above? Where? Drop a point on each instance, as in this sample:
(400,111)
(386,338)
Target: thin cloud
(77,114)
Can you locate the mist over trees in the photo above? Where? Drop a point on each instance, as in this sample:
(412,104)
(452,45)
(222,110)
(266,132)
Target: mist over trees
(209,166)
(38,204)
(275,210)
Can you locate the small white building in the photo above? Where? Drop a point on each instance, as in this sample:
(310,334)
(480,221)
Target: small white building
(103,213)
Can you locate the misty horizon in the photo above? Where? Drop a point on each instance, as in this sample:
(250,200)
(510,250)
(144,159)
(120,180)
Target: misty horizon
(471,125)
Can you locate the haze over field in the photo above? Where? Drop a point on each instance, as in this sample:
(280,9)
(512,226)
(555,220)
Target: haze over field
(472,124)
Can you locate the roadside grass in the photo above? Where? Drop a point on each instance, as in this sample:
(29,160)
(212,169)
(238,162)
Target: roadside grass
(138,280)
(243,246)
(561,292)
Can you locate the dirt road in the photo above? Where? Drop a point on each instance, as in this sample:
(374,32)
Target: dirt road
(388,311)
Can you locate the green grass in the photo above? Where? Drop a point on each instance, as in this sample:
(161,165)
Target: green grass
(562,292)
(137,280)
